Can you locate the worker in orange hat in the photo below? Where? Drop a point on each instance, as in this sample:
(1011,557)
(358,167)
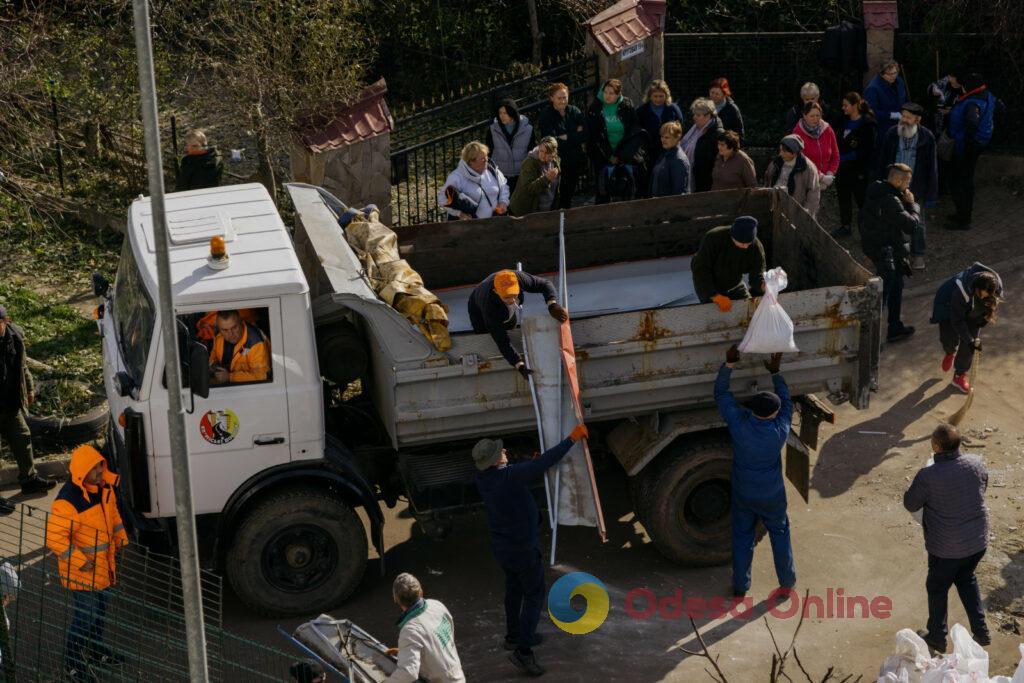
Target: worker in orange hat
(85,532)
(494,304)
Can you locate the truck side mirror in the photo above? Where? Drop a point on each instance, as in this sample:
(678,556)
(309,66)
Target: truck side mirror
(199,370)
(100,285)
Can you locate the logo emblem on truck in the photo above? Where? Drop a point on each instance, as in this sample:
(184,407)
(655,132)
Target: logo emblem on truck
(219,426)
(560,606)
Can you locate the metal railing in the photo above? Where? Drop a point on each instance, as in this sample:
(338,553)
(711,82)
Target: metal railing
(426,145)
(144,617)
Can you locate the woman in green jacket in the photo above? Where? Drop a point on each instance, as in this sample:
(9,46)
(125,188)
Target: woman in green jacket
(539,178)
(567,124)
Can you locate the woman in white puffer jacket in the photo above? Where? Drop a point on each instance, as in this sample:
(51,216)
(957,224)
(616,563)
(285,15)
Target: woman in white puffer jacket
(476,188)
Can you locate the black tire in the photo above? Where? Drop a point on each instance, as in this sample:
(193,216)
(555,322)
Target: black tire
(300,552)
(683,500)
(70,431)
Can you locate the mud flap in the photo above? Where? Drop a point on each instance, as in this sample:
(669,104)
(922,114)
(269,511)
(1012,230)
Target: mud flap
(798,465)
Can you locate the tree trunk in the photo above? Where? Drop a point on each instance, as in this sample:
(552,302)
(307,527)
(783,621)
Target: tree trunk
(531,7)
(266,164)
(91,137)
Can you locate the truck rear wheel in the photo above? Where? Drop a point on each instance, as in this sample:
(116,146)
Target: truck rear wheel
(683,502)
(299,552)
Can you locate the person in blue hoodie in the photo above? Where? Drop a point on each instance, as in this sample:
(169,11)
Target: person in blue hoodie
(758,492)
(886,93)
(971,123)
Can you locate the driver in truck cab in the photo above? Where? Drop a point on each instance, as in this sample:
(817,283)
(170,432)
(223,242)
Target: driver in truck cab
(241,352)
(494,304)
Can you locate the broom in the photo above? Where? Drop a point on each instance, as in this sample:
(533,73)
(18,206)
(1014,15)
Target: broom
(956,418)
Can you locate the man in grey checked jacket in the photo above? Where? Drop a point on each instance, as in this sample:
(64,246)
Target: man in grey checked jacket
(952,493)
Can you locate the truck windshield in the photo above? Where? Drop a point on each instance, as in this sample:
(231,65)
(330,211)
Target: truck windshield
(133,314)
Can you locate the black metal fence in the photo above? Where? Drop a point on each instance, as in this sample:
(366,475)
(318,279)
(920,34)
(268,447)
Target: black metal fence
(144,617)
(426,145)
(926,57)
(765,72)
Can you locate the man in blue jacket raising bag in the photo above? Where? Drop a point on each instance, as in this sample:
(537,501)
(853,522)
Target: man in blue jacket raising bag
(758,493)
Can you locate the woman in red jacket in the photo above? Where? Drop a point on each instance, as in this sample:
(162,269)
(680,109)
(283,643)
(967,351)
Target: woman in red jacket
(820,145)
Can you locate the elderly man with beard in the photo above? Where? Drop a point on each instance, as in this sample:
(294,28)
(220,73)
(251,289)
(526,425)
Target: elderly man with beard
(912,144)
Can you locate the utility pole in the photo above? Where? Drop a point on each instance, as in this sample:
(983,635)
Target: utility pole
(188,553)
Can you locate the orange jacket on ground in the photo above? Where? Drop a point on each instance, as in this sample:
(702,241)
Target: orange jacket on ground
(85,526)
(250,361)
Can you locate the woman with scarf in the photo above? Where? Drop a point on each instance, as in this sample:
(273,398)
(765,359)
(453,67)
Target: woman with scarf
(795,173)
(510,138)
(728,113)
(701,144)
(657,110)
(565,123)
(855,152)
(612,134)
(820,145)
(476,188)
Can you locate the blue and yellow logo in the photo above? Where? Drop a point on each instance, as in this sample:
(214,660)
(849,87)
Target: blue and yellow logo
(560,603)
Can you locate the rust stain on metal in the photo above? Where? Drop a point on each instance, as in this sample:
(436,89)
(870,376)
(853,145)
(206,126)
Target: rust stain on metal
(486,365)
(648,330)
(581,355)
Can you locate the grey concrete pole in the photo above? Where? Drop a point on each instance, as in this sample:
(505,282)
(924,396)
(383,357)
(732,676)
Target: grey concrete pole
(187,546)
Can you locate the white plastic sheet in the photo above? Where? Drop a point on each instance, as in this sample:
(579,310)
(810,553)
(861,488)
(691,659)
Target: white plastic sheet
(770,329)
(968,663)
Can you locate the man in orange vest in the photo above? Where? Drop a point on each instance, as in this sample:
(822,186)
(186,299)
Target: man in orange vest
(85,532)
(240,351)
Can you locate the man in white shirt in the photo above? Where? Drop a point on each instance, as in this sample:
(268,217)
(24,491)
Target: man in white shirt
(426,640)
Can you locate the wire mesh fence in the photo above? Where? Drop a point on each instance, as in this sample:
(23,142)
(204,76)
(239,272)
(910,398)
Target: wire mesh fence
(926,57)
(427,144)
(143,622)
(765,72)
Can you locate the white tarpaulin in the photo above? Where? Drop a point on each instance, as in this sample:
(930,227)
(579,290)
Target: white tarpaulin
(541,334)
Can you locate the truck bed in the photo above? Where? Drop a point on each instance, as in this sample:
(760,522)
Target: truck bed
(631,362)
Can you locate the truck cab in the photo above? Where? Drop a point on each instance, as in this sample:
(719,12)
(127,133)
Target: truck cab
(256,442)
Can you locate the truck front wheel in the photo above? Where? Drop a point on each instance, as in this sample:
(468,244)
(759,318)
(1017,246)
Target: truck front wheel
(683,501)
(299,552)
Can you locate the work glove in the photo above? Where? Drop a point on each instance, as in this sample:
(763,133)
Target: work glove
(976,344)
(732,355)
(773,363)
(724,302)
(523,370)
(579,432)
(557,312)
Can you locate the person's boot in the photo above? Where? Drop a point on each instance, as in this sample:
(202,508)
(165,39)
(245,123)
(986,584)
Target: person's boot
(983,639)
(527,662)
(6,506)
(899,334)
(37,484)
(933,647)
(947,361)
(962,383)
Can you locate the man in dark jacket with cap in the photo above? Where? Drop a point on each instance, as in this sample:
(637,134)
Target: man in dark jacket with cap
(726,254)
(17,393)
(890,217)
(758,493)
(910,143)
(513,517)
(495,303)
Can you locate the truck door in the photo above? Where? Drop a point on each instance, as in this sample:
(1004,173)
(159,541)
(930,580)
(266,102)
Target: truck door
(242,427)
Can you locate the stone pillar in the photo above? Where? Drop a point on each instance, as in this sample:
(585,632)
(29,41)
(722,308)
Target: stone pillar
(881,21)
(360,173)
(635,65)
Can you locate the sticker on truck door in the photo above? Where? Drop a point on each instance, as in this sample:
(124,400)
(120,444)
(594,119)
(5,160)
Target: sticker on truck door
(219,426)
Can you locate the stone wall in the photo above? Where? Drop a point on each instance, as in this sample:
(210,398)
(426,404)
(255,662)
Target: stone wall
(635,72)
(357,174)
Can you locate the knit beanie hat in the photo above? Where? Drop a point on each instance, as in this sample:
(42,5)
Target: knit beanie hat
(506,284)
(793,143)
(486,453)
(744,229)
(764,403)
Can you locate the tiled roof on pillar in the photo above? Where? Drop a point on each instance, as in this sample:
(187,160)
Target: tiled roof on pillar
(627,22)
(365,118)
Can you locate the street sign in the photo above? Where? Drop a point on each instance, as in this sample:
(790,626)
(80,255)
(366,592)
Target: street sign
(631,51)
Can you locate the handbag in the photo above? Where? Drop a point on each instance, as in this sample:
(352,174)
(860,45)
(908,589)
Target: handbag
(945,147)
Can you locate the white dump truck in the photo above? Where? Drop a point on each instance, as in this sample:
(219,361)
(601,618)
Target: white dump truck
(347,404)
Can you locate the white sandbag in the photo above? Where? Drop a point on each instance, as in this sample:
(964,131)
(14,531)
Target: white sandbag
(770,329)
(971,657)
(968,662)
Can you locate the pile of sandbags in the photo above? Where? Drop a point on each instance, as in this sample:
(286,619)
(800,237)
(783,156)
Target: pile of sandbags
(968,662)
(394,280)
